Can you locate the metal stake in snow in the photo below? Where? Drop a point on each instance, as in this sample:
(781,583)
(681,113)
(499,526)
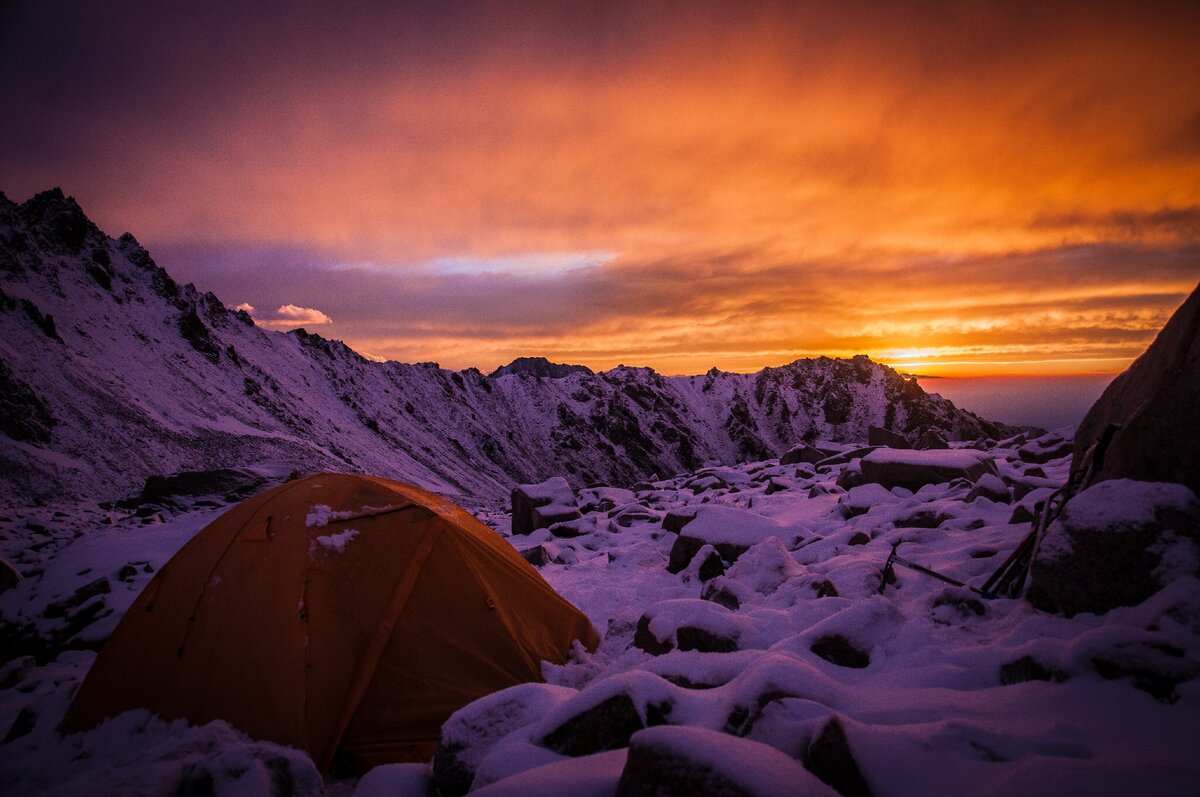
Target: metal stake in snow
(889,572)
(1009,578)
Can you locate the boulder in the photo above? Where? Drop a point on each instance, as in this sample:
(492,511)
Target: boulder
(830,758)
(802,453)
(9,575)
(930,440)
(1116,544)
(836,649)
(539,506)
(991,487)
(474,729)
(878,436)
(1154,401)
(915,469)
(670,760)
(1048,447)
(230,484)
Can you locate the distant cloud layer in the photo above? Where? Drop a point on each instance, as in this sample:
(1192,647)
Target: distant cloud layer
(951,186)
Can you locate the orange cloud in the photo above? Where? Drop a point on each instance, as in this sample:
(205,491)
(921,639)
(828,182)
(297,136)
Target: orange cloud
(962,185)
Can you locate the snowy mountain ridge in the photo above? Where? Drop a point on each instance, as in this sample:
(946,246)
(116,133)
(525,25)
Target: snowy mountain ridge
(110,371)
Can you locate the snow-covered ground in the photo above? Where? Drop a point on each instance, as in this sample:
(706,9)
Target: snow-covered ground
(935,689)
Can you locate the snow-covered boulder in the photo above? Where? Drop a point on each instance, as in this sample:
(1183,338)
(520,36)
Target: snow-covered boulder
(604,716)
(731,531)
(1048,447)
(803,453)
(539,506)
(688,624)
(474,729)
(915,469)
(688,760)
(878,436)
(931,440)
(1116,544)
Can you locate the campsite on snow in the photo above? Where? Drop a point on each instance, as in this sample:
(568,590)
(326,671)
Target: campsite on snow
(219,577)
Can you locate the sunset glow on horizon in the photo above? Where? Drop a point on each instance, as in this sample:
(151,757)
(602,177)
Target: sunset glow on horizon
(953,189)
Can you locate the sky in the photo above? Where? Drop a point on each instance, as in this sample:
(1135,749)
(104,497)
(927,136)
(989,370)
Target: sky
(957,189)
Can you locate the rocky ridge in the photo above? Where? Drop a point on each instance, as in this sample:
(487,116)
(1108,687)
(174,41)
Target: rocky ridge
(113,372)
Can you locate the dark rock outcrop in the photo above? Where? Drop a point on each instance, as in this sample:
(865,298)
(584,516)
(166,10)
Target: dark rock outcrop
(1155,402)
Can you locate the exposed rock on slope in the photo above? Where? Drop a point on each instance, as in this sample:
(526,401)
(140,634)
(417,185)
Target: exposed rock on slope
(113,372)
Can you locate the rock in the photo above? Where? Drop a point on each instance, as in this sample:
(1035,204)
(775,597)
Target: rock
(676,519)
(776,486)
(802,453)
(539,506)
(836,649)
(723,592)
(915,469)
(1027,668)
(859,538)
(606,726)
(15,671)
(682,760)
(687,624)
(830,758)
(100,586)
(845,457)
(682,552)
(1154,401)
(992,488)
(878,436)
(1116,544)
(230,483)
(861,499)
(474,729)
(712,567)
(931,440)
(824,589)
(9,575)
(1154,668)
(1021,514)
(850,478)
(1054,445)
(536,556)
(922,519)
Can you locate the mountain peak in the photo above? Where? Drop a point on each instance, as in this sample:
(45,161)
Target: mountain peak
(539,366)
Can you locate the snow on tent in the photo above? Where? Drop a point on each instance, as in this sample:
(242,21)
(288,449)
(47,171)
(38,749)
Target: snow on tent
(348,616)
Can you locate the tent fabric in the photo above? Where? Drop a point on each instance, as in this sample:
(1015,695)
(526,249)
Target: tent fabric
(357,638)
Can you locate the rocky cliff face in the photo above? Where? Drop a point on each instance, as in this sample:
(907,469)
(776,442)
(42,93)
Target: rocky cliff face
(111,371)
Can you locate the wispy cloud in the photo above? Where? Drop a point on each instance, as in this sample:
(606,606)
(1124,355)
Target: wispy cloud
(288,316)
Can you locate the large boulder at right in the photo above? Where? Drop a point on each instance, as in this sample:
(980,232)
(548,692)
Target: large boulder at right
(1116,544)
(913,469)
(1156,401)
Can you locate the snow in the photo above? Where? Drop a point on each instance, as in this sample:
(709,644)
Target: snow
(1124,503)
(333,543)
(1120,505)
(956,458)
(757,768)
(320,515)
(929,713)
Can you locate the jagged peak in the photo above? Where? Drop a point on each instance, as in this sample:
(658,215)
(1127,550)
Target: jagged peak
(539,367)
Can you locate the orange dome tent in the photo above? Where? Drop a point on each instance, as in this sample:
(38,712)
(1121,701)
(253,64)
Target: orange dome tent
(343,615)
